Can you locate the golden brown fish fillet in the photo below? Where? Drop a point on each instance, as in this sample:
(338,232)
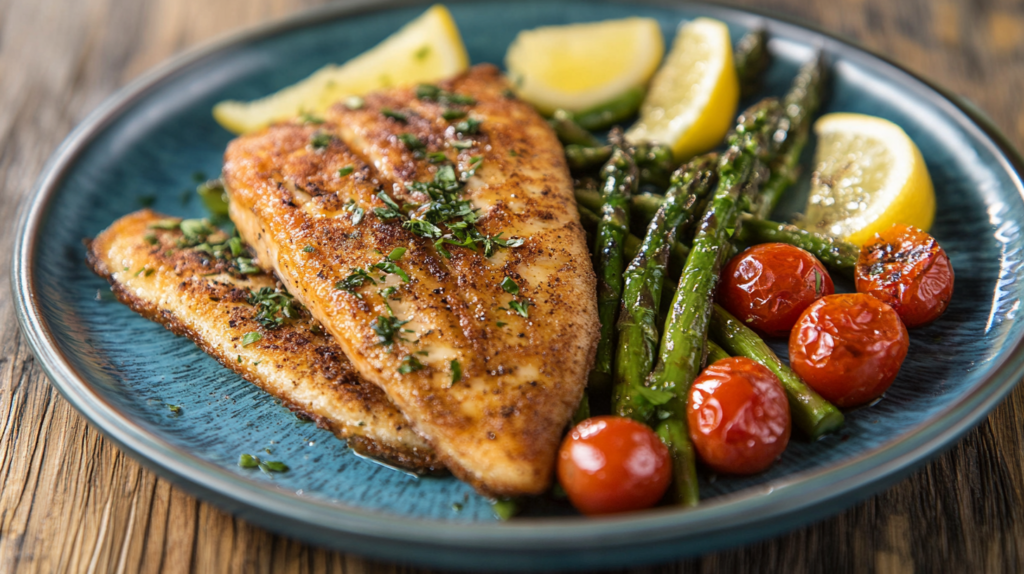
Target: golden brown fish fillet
(491,389)
(205,298)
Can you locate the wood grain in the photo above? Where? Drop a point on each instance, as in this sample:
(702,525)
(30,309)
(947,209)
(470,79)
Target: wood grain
(71,501)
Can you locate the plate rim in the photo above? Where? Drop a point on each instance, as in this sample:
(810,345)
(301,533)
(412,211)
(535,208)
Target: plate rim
(784,497)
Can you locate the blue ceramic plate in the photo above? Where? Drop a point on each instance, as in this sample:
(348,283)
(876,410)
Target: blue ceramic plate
(120,371)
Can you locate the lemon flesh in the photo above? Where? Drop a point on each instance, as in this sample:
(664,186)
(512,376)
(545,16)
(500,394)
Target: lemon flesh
(425,50)
(693,96)
(581,66)
(869,175)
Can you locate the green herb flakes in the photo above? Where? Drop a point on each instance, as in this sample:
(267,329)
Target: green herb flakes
(250,461)
(510,286)
(308,118)
(413,144)
(250,338)
(468,126)
(345,171)
(521,307)
(274,308)
(308,249)
(397,253)
(397,116)
(456,371)
(356,279)
(174,408)
(320,140)
(149,238)
(386,329)
(410,364)
(453,114)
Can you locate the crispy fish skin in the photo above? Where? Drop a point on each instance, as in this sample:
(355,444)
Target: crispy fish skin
(198,296)
(498,426)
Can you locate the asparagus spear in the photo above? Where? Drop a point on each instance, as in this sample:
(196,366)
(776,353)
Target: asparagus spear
(752,58)
(837,254)
(570,132)
(642,206)
(655,161)
(610,113)
(644,278)
(715,353)
(683,342)
(677,251)
(801,103)
(620,181)
(811,413)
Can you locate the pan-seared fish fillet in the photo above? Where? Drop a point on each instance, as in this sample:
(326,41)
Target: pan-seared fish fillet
(205,298)
(490,388)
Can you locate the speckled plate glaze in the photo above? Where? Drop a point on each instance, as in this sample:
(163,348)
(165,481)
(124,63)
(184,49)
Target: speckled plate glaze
(121,371)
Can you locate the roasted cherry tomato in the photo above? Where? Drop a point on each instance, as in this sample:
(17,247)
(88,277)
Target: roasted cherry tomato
(848,347)
(769,285)
(613,464)
(738,416)
(908,270)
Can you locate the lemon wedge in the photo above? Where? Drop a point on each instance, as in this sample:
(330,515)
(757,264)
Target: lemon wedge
(693,96)
(577,67)
(869,175)
(425,50)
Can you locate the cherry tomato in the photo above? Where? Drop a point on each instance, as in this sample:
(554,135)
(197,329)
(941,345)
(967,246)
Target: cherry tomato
(848,347)
(738,416)
(613,464)
(907,269)
(769,285)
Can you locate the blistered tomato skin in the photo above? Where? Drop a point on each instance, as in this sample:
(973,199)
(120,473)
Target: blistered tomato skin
(738,416)
(769,285)
(908,270)
(612,464)
(848,347)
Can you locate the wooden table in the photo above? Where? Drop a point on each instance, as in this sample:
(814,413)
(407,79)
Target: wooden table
(70,501)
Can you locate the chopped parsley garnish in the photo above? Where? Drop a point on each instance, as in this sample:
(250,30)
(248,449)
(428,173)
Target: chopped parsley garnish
(274,308)
(174,408)
(397,253)
(392,211)
(410,364)
(413,144)
(520,307)
(469,126)
(149,238)
(510,286)
(397,116)
(453,114)
(308,118)
(389,266)
(456,371)
(462,144)
(345,171)
(433,93)
(250,461)
(437,157)
(246,266)
(320,140)
(354,102)
(355,280)
(168,224)
(308,249)
(214,197)
(250,338)
(195,231)
(356,211)
(386,328)
(500,324)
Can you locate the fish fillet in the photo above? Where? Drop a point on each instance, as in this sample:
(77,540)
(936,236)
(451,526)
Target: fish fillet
(493,354)
(205,298)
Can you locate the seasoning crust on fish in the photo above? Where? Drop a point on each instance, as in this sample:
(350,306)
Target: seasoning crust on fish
(204,297)
(484,346)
